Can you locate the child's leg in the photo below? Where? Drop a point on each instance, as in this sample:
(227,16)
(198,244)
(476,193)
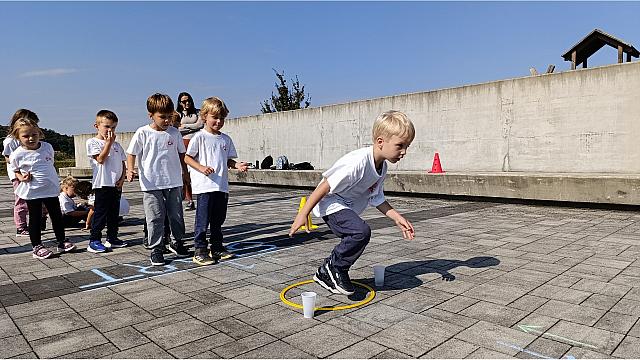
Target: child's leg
(217,215)
(89,220)
(35,216)
(53,206)
(101,206)
(355,234)
(202,221)
(112,213)
(154,212)
(20,210)
(70,221)
(173,198)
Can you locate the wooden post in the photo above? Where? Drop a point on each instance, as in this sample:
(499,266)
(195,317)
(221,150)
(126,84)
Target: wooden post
(619,54)
(573,60)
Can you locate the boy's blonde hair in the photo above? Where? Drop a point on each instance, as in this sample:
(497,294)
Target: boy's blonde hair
(214,106)
(159,103)
(106,114)
(175,119)
(391,123)
(22,123)
(69,181)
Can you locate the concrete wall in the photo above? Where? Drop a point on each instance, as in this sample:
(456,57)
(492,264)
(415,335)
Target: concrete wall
(582,121)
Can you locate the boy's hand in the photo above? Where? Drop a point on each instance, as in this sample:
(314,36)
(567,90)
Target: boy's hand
(186,179)
(119,183)
(111,136)
(242,166)
(207,170)
(131,174)
(25,178)
(407,229)
(298,222)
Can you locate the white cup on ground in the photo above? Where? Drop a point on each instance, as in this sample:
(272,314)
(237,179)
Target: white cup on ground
(378,273)
(308,303)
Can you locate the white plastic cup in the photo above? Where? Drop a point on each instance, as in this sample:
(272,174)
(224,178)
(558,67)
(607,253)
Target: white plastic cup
(378,273)
(308,303)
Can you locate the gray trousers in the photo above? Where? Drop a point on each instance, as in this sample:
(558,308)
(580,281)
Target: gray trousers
(157,204)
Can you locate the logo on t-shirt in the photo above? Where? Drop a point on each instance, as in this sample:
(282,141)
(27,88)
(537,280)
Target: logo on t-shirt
(48,158)
(224,147)
(170,142)
(373,187)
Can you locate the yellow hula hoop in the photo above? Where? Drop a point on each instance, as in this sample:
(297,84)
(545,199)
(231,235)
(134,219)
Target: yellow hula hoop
(369,297)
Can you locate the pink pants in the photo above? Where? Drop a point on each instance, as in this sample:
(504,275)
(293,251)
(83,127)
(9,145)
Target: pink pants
(20,211)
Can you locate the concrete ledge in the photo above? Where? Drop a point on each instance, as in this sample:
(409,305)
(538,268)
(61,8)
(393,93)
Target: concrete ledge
(589,188)
(583,188)
(76,172)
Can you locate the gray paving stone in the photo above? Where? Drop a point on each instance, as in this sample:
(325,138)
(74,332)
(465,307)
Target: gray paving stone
(451,349)
(87,300)
(179,333)
(570,312)
(7,327)
(487,336)
(457,304)
(234,328)
(543,348)
(392,354)
(29,355)
(67,343)
(615,322)
(493,313)
(484,353)
(628,348)
(276,350)
(13,346)
(236,348)
(528,303)
(50,323)
(277,320)
(364,349)
(495,292)
(584,336)
(156,297)
(582,353)
(561,294)
(380,315)
(354,326)
(107,320)
(146,351)
(218,310)
(95,352)
(602,302)
(627,307)
(252,296)
(201,345)
(125,338)
(416,335)
(322,340)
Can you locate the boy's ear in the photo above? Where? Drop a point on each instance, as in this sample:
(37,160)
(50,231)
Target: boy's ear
(150,115)
(95,125)
(379,142)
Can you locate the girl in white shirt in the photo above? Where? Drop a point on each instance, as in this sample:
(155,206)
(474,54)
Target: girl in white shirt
(32,163)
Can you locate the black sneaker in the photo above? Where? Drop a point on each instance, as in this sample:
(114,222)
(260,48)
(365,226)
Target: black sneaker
(178,249)
(323,279)
(157,258)
(221,254)
(201,257)
(340,279)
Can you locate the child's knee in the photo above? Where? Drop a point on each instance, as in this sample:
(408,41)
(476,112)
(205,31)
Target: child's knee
(365,232)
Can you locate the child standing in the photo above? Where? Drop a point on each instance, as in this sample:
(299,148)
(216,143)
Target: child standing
(72,213)
(352,183)
(107,159)
(211,153)
(32,163)
(9,144)
(160,152)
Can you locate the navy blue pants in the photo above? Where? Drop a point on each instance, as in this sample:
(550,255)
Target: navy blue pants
(355,234)
(211,210)
(106,210)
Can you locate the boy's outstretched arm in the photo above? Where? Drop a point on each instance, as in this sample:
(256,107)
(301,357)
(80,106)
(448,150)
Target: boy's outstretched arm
(131,172)
(407,229)
(301,219)
(206,170)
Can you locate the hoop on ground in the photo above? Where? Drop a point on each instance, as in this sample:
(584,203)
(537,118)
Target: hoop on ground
(372,294)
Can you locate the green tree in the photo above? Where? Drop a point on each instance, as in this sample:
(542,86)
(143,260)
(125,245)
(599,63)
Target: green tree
(286,99)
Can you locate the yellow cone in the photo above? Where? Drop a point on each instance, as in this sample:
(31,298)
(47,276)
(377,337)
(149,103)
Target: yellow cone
(303,201)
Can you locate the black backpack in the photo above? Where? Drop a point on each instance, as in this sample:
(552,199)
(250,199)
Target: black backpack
(266,162)
(302,166)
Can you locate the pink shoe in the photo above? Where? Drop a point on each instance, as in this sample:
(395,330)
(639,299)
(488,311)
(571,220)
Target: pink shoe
(40,252)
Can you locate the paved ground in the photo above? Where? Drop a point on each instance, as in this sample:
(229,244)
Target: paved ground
(481,280)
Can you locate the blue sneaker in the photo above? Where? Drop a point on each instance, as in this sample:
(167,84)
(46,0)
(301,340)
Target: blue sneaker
(96,247)
(115,243)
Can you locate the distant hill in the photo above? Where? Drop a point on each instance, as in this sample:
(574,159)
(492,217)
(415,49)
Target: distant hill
(62,144)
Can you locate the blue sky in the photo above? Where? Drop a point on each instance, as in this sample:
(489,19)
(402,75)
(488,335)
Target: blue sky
(67,60)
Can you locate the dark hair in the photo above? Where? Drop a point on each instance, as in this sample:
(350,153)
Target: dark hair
(23,113)
(179,108)
(107,114)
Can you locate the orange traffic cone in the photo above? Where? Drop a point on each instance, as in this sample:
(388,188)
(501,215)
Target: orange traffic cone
(436,168)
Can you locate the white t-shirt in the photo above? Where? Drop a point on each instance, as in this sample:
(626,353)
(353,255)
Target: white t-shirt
(67,204)
(158,160)
(211,150)
(9,144)
(44,181)
(354,183)
(108,173)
